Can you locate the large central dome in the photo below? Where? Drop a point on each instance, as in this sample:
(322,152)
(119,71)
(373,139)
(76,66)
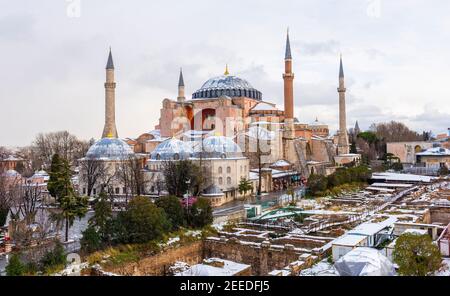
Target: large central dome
(227,85)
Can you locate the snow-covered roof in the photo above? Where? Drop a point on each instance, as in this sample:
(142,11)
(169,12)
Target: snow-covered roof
(281,163)
(229,268)
(392,185)
(401,177)
(172,149)
(416,231)
(109,149)
(437,151)
(369,229)
(364,262)
(263,106)
(349,240)
(381,189)
(261,133)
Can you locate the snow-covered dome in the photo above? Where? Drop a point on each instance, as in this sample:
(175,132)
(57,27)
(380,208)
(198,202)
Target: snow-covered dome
(219,147)
(109,149)
(317,123)
(172,149)
(227,85)
(364,262)
(11,174)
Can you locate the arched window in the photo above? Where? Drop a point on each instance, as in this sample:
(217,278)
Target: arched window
(220,181)
(176,156)
(158,156)
(233,93)
(220,170)
(228,170)
(229,181)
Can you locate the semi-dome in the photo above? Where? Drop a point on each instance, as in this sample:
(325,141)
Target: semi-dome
(219,147)
(227,85)
(109,149)
(172,149)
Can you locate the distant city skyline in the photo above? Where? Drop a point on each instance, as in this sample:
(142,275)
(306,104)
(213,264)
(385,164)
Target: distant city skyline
(53,56)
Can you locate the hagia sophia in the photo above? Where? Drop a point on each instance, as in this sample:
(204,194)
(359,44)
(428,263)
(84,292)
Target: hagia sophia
(232,132)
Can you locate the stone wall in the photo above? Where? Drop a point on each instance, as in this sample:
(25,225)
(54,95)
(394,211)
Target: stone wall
(440,215)
(159,264)
(262,257)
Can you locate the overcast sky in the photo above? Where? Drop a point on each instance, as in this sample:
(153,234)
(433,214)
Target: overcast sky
(53,54)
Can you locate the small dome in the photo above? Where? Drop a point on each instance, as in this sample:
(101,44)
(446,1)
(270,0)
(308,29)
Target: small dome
(364,262)
(109,149)
(213,190)
(317,123)
(172,149)
(12,173)
(220,147)
(227,85)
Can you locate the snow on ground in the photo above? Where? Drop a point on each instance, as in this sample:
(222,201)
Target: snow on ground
(445,269)
(323,268)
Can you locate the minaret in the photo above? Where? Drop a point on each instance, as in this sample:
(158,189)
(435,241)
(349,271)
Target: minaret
(343,146)
(357,129)
(181,98)
(110,131)
(288,78)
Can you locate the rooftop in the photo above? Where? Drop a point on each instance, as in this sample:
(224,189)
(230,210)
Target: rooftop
(227,268)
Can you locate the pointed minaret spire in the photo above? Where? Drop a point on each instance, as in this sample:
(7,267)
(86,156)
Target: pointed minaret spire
(341,69)
(226,70)
(181,98)
(181,80)
(343,144)
(110,130)
(288,55)
(110,64)
(288,78)
(357,129)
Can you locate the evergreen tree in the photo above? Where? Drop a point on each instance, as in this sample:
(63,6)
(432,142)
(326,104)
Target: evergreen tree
(91,240)
(15,266)
(244,186)
(142,222)
(201,213)
(61,188)
(102,216)
(173,209)
(416,255)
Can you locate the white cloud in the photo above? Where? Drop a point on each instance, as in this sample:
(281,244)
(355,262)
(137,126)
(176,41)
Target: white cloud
(52,74)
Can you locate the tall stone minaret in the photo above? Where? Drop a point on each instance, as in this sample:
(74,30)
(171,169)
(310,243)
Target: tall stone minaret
(343,146)
(110,131)
(288,78)
(181,98)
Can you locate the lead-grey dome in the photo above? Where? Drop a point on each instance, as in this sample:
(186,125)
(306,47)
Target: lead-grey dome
(227,85)
(172,149)
(109,149)
(218,147)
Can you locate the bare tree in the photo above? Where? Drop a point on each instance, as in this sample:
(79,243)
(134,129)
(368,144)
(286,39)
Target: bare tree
(92,172)
(63,143)
(131,175)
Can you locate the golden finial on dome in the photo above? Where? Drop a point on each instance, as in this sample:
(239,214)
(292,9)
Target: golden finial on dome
(226,70)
